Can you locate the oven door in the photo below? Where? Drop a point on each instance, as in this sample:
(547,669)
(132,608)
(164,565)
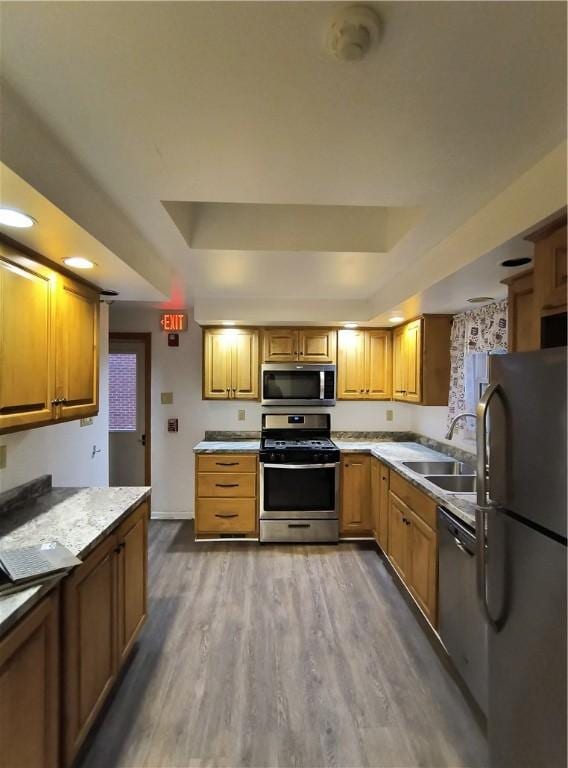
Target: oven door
(298,384)
(299,491)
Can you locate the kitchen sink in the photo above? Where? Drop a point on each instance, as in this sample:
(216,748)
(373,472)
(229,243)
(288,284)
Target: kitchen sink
(454,483)
(440,467)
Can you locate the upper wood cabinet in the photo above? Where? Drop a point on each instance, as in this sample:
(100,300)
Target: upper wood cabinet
(522,318)
(364,364)
(27,349)
(230,364)
(29,689)
(305,345)
(49,361)
(421,360)
(550,271)
(356,514)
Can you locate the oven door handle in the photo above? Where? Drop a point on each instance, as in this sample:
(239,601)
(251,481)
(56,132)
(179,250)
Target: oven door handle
(300,466)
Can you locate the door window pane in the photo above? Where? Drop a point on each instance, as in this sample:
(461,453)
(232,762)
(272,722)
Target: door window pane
(122,392)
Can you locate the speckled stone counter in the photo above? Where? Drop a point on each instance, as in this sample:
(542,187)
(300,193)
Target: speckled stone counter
(391,453)
(227,446)
(79,518)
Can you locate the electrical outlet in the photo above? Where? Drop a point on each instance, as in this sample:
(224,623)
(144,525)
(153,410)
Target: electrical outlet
(242,414)
(167,398)
(390,415)
(3,456)
(86,421)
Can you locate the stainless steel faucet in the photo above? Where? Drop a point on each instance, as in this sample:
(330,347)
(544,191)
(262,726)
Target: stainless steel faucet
(450,432)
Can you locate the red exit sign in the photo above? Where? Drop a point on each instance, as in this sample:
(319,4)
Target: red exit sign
(173,322)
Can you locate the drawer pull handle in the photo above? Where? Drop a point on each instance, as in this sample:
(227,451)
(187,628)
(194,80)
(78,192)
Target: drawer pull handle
(299,525)
(229,515)
(227,485)
(227,463)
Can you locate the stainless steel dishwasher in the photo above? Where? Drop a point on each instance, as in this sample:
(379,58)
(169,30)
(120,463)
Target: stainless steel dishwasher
(461,625)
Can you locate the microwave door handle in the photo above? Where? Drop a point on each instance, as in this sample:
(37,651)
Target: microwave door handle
(322,385)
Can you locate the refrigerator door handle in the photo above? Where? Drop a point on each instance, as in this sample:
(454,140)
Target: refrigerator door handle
(482,501)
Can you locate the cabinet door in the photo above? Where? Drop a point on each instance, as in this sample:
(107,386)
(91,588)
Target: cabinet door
(375,496)
(550,272)
(378,365)
(244,366)
(280,345)
(522,319)
(383,507)
(29,690)
(413,361)
(356,495)
(89,642)
(77,366)
(351,365)
(399,364)
(317,345)
(217,353)
(399,523)
(27,362)
(422,569)
(132,538)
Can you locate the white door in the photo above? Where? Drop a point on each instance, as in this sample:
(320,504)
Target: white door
(127,414)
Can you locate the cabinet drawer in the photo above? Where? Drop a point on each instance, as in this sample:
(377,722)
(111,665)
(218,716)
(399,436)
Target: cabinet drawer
(225,516)
(226,484)
(226,463)
(418,502)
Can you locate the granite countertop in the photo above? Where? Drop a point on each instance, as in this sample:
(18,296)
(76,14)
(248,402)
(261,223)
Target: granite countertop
(79,518)
(391,453)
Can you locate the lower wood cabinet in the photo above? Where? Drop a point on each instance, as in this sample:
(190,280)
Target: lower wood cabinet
(226,494)
(380,502)
(104,607)
(413,543)
(29,689)
(356,512)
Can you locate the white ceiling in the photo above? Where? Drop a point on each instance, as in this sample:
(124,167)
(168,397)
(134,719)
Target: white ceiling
(213,102)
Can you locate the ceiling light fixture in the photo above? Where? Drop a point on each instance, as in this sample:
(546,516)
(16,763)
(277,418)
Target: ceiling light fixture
(12,218)
(350,325)
(78,262)
(396,319)
(480,299)
(520,262)
(353,32)
(228,322)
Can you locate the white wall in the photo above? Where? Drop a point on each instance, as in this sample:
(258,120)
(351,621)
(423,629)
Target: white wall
(63,450)
(178,370)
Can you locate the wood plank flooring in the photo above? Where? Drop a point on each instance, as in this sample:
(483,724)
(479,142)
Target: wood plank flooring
(280,656)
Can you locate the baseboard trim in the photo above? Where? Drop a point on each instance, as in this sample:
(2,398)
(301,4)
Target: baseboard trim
(157,515)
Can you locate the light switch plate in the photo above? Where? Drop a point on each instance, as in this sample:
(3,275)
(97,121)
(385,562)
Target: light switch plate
(390,415)
(86,422)
(166,398)
(3,456)
(242,414)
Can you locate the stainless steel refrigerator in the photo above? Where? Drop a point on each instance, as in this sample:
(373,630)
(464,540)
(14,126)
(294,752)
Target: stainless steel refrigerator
(521,570)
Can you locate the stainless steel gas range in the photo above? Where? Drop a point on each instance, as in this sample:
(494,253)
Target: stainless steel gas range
(299,479)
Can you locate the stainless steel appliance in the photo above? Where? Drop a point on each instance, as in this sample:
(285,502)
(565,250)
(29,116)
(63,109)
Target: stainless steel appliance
(460,623)
(521,565)
(299,479)
(298,384)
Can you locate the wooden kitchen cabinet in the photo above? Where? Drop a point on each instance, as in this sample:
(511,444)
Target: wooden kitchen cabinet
(421,360)
(77,345)
(380,501)
(305,345)
(398,550)
(422,565)
(522,317)
(27,359)
(226,494)
(356,513)
(230,364)
(29,689)
(364,364)
(550,270)
(104,607)
(49,329)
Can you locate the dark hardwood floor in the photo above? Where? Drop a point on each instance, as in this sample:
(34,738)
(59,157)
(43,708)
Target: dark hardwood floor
(280,656)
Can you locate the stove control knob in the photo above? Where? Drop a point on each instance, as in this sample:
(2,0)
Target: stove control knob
(317,458)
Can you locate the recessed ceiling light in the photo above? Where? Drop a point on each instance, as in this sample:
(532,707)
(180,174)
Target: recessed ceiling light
(396,319)
(228,322)
(11,218)
(351,325)
(78,262)
(109,292)
(480,299)
(520,262)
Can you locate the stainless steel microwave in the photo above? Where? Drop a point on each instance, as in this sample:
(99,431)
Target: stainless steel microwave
(298,384)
